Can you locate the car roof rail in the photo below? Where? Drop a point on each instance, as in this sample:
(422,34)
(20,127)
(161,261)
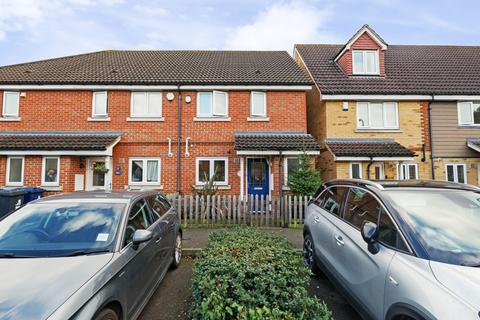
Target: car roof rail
(356,182)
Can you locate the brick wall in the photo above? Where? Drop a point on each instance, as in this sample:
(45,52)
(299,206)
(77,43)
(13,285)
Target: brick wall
(70,110)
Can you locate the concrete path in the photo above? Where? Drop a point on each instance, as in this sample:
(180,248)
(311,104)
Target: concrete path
(195,239)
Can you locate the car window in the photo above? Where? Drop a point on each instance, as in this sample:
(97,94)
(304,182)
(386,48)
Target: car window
(361,206)
(138,218)
(388,234)
(158,207)
(331,199)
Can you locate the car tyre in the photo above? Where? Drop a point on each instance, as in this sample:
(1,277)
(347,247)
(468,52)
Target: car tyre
(309,258)
(177,251)
(107,314)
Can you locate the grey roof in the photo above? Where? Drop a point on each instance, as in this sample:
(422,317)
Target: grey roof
(57,140)
(369,147)
(161,68)
(275,141)
(409,69)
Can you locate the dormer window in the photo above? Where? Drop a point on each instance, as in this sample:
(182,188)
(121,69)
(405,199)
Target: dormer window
(365,62)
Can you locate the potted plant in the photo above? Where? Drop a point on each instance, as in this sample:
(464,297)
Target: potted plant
(100,167)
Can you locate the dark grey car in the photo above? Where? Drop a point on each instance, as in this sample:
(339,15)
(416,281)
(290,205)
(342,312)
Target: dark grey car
(96,255)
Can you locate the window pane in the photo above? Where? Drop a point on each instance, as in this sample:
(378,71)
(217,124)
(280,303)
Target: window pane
(333,200)
(390,111)
(152,170)
(412,171)
(11,104)
(450,173)
(258,104)
(362,114)
(358,62)
(476,113)
(361,206)
(376,115)
(371,61)
(51,167)
(139,218)
(465,113)
(219,170)
(137,171)
(157,207)
(205,103)
(100,107)
(356,171)
(220,103)
(460,174)
(388,233)
(139,104)
(378,173)
(15,173)
(155,104)
(203,170)
(292,166)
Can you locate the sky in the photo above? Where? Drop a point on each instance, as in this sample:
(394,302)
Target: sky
(39,29)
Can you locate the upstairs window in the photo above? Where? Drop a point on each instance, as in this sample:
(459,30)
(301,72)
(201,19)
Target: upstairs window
(99,104)
(365,62)
(11,102)
(212,104)
(258,104)
(146,105)
(377,115)
(469,113)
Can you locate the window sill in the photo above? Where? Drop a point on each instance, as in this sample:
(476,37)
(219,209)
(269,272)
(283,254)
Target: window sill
(258,119)
(10,119)
(145,119)
(378,130)
(468,126)
(212,119)
(52,188)
(220,186)
(143,187)
(98,119)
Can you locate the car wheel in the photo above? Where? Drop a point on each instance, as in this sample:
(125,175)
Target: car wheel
(177,252)
(309,254)
(107,314)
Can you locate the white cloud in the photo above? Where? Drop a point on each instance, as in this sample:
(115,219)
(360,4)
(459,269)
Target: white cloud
(282,25)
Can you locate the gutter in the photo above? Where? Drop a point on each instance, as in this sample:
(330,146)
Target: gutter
(179,139)
(368,167)
(430,139)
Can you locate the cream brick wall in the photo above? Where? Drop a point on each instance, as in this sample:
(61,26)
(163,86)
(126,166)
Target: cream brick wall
(472,168)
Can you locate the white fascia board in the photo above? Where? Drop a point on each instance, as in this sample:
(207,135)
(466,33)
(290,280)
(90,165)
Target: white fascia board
(455,98)
(473,146)
(311,153)
(56,152)
(370,97)
(373,159)
(153,87)
(273,152)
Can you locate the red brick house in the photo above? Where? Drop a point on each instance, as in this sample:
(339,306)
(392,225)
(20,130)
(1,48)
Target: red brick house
(154,119)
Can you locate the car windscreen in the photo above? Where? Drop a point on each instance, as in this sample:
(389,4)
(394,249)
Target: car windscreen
(446,222)
(59,229)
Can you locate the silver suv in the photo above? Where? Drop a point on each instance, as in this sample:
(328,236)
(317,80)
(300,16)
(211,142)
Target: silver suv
(398,249)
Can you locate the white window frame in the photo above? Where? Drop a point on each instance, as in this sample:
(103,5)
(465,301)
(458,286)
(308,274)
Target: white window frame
(471,105)
(8,183)
(146,93)
(259,115)
(44,163)
(4,104)
(455,172)
(382,170)
(397,126)
(285,168)
(212,113)
(144,173)
(364,71)
(400,170)
(94,97)
(211,163)
(351,170)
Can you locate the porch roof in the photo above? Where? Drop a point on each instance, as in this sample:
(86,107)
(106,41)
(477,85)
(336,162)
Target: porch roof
(274,142)
(58,142)
(368,148)
(474,144)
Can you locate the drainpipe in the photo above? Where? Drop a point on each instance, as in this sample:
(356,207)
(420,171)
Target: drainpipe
(179,139)
(280,189)
(430,136)
(368,167)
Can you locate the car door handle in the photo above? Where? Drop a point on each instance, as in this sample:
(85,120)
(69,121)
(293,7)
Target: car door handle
(393,281)
(340,242)
(158,240)
(316,219)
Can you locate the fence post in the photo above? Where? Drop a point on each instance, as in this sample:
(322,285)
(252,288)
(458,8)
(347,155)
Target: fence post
(295,209)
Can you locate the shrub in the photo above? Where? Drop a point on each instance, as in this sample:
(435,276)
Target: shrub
(252,275)
(305,180)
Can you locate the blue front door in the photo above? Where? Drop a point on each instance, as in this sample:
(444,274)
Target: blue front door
(257,176)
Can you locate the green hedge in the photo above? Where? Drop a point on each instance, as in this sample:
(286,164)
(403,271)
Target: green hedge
(248,274)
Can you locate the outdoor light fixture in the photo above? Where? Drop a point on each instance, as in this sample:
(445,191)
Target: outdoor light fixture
(170,96)
(345,105)
(188,99)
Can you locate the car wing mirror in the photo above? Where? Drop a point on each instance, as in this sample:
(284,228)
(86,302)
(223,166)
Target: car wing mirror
(141,236)
(370,234)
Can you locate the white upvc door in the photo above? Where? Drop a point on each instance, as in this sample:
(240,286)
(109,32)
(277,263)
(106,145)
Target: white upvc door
(96,177)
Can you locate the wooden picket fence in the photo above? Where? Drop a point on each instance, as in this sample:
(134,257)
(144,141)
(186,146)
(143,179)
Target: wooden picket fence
(223,210)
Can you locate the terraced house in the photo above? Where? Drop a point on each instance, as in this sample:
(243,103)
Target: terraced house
(385,111)
(166,120)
